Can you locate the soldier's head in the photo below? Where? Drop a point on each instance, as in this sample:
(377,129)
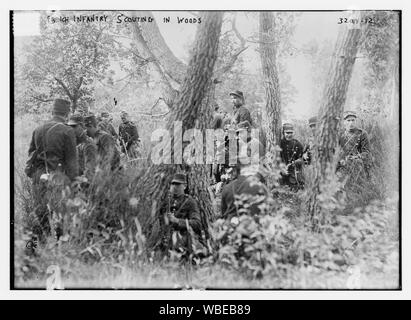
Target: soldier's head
(288,130)
(90,123)
(124,117)
(178,184)
(312,123)
(61,108)
(350,119)
(76,121)
(237,98)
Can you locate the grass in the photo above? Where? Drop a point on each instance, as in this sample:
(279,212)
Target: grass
(378,267)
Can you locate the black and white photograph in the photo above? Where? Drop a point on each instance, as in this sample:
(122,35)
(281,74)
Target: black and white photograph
(206,150)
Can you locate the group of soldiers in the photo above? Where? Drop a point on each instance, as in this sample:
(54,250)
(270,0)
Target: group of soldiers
(66,147)
(77,145)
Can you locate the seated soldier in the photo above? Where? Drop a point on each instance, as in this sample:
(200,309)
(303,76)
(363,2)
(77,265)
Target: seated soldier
(180,220)
(291,155)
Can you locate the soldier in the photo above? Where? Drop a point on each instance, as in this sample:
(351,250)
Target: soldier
(106,146)
(86,148)
(291,155)
(180,215)
(129,138)
(307,154)
(105,124)
(52,160)
(354,144)
(242,116)
(249,183)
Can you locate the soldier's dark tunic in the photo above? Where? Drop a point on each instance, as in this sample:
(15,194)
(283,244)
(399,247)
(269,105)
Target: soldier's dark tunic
(53,143)
(242,114)
(184,207)
(291,154)
(59,143)
(107,150)
(355,143)
(355,147)
(249,186)
(107,127)
(128,135)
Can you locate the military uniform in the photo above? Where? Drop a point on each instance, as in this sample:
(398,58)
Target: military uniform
(244,185)
(242,114)
(291,154)
(184,208)
(55,145)
(355,149)
(53,152)
(106,150)
(128,135)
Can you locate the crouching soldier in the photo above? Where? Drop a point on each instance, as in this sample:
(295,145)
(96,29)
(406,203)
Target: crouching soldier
(180,221)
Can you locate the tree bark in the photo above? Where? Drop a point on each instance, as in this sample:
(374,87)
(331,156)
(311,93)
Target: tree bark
(153,47)
(191,109)
(331,112)
(268,55)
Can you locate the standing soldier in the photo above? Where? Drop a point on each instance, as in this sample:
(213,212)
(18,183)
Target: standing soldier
(354,145)
(105,124)
(242,116)
(291,155)
(106,146)
(52,159)
(86,148)
(128,135)
(307,154)
(180,220)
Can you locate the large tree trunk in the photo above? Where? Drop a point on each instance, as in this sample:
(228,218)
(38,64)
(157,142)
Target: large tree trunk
(331,113)
(193,112)
(272,89)
(152,46)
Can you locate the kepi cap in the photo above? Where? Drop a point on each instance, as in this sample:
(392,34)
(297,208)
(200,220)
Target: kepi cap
(61,107)
(312,120)
(179,178)
(237,93)
(349,114)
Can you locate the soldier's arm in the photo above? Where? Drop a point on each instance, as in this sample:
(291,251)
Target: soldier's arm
(70,154)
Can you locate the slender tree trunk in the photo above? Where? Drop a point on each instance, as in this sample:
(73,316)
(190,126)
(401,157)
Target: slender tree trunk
(331,113)
(191,109)
(268,55)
